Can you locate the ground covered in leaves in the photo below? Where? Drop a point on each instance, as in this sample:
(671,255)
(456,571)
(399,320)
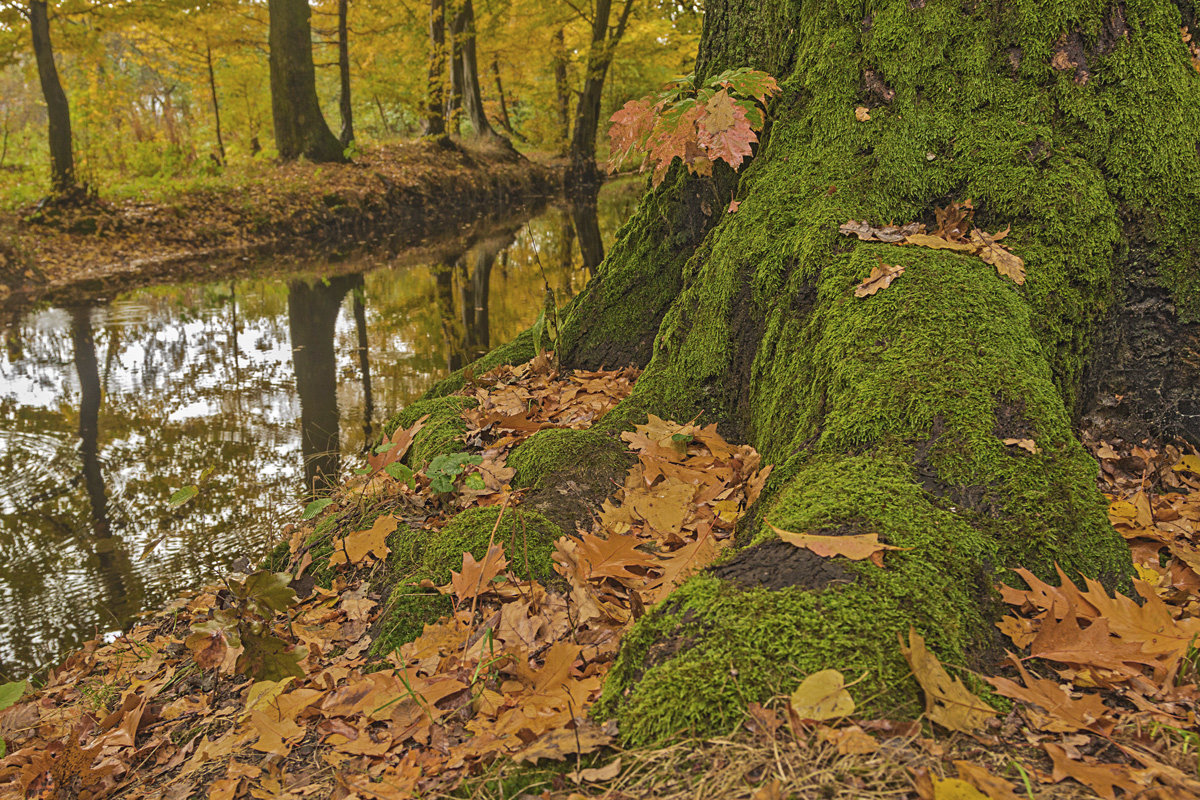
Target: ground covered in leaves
(408,190)
(426,632)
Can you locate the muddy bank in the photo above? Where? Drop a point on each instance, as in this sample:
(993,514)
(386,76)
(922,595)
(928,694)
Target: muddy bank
(399,196)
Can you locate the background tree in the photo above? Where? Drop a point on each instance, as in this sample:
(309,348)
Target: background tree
(344,105)
(58,112)
(435,92)
(605,39)
(300,128)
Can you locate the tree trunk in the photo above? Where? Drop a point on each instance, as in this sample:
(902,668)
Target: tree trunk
(505,121)
(344,105)
(216,106)
(454,101)
(464,46)
(435,93)
(562,92)
(58,112)
(300,128)
(587,114)
(887,414)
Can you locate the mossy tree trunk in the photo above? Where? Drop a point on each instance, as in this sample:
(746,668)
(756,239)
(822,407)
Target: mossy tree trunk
(300,127)
(1077,124)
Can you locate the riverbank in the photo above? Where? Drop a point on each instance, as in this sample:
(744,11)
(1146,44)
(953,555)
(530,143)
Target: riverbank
(401,194)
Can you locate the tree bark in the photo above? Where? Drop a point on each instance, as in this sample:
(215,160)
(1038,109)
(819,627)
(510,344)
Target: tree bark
(216,106)
(435,93)
(562,91)
(344,104)
(583,168)
(888,414)
(464,48)
(300,127)
(58,112)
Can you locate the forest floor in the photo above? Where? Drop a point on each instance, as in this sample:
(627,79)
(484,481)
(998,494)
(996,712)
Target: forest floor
(286,684)
(398,194)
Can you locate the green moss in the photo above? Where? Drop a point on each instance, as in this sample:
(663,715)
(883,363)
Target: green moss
(442,432)
(553,451)
(416,555)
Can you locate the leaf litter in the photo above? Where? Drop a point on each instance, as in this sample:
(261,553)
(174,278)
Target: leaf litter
(1103,689)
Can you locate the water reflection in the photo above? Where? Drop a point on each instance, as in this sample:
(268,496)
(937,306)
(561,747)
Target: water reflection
(105,410)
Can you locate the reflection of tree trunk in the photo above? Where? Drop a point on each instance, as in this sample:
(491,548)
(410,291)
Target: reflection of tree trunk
(480,333)
(452,333)
(312,316)
(566,255)
(122,593)
(344,105)
(62,158)
(435,94)
(364,360)
(88,369)
(586,216)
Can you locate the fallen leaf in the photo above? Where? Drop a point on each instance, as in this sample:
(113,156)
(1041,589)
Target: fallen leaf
(822,696)
(862,113)
(356,546)
(856,548)
(1025,444)
(1006,263)
(938,243)
(881,277)
(1100,778)
(947,701)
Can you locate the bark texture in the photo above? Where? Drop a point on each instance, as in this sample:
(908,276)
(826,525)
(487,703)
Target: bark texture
(58,112)
(300,127)
(435,92)
(1075,124)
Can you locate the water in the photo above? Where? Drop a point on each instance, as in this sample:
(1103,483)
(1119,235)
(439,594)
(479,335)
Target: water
(107,408)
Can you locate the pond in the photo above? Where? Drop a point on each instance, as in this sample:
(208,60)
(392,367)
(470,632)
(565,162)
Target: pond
(270,384)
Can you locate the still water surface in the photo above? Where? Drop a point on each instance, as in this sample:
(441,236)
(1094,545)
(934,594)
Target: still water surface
(107,408)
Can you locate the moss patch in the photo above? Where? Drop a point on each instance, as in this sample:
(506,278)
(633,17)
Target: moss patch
(569,473)
(442,432)
(417,555)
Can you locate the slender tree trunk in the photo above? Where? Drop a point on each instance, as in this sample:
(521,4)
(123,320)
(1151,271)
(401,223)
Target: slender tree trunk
(383,120)
(464,40)
(216,106)
(583,168)
(300,128)
(562,91)
(888,414)
(435,92)
(344,105)
(504,118)
(454,101)
(62,158)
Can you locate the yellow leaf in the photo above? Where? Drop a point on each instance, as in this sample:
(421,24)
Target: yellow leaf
(862,114)
(855,548)
(938,243)
(956,789)
(1024,444)
(1189,463)
(357,545)
(1006,263)
(822,695)
(947,701)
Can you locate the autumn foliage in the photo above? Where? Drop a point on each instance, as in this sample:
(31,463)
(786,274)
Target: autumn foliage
(698,125)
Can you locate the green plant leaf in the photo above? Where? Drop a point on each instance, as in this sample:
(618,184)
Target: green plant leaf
(270,590)
(316,507)
(401,473)
(475,481)
(268,658)
(11,693)
(183,495)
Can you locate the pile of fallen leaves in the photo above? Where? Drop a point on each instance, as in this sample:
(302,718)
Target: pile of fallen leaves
(954,232)
(164,710)
(266,686)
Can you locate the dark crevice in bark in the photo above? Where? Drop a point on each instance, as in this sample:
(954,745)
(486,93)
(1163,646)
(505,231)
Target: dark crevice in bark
(776,565)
